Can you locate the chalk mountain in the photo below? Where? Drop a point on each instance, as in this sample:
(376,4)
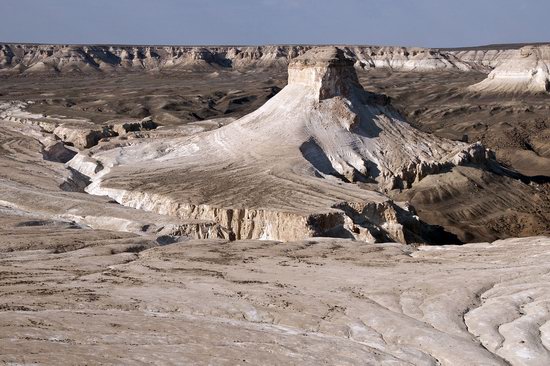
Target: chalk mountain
(287,170)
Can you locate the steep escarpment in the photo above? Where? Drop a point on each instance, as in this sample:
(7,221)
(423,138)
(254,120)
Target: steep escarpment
(31,59)
(287,170)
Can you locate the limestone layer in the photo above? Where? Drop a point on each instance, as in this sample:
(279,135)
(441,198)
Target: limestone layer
(54,59)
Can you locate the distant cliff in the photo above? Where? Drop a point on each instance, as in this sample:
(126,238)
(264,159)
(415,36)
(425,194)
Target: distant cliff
(27,59)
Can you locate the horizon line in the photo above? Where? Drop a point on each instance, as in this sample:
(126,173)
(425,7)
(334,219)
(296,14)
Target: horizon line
(101,44)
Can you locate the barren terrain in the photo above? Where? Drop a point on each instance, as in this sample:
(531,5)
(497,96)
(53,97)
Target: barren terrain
(193,205)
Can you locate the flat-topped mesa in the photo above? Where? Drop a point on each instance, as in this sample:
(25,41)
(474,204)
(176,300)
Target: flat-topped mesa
(325,69)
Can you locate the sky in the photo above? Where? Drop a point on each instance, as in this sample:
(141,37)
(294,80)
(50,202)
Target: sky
(427,23)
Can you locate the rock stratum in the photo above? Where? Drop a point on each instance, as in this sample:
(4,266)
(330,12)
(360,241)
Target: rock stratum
(291,169)
(55,59)
(511,70)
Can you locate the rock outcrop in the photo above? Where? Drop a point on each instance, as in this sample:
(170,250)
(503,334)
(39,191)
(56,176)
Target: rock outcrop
(528,71)
(80,133)
(286,171)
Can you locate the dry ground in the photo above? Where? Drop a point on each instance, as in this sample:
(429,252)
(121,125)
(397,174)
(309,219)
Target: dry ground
(78,296)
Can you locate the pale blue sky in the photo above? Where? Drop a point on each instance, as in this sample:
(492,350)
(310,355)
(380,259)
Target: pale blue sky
(433,23)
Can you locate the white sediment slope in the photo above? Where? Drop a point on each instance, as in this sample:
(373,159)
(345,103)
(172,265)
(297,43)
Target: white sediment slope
(285,171)
(526,71)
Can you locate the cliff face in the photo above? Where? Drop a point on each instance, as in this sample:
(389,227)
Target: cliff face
(55,59)
(28,59)
(330,73)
